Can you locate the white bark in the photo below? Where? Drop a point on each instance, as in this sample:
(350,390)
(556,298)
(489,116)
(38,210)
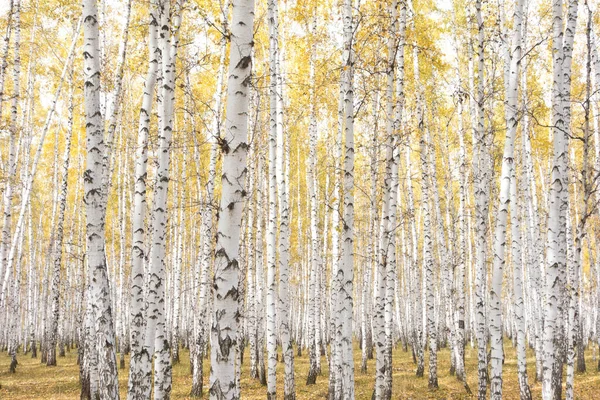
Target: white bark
(311,181)
(507,173)
(284,221)
(415,285)
(272,222)
(386,269)
(519,306)
(62,204)
(272,228)
(179,260)
(234,148)
(5,264)
(575,345)
(558,198)
(371,268)
(31,290)
(123,180)
(260,293)
(4,61)
(428,259)
(481,176)
(99,289)
(13,299)
(139,377)
(115,103)
(345,274)
(206,228)
(459,283)
(334,358)
(533,239)
(156,340)
(251,298)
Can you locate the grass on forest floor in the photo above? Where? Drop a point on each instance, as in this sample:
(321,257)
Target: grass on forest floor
(36,381)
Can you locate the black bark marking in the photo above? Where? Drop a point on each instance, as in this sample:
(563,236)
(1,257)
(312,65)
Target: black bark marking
(244,62)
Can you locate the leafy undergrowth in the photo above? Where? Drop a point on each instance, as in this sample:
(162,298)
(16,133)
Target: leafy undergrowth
(36,381)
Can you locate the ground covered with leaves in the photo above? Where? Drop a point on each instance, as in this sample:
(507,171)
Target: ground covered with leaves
(36,381)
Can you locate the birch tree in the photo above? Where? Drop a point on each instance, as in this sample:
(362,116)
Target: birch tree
(5,49)
(62,204)
(313,293)
(346,272)
(139,379)
(383,389)
(234,149)
(5,266)
(206,250)
(266,253)
(156,338)
(99,289)
(459,285)
(558,200)
(282,177)
(272,219)
(507,173)
(428,260)
(480,165)
(12,170)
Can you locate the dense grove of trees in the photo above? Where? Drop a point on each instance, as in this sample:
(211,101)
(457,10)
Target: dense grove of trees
(287,177)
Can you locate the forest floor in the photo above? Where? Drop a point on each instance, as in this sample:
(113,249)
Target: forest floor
(36,381)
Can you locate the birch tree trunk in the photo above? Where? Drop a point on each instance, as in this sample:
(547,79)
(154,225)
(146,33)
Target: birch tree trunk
(206,229)
(157,337)
(595,60)
(116,103)
(123,180)
(260,295)
(334,359)
(428,259)
(386,270)
(179,261)
(445,324)
(575,346)
(417,311)
(253,332)
(62,204)
(275,164)
(459,285)
(234,148)
(517,261)
(284,217)
(139,374)
(480,165)
(589,180)
(95,212)
(396,120)
(272,219)
(14,299)
(533,237)
(345,275)
(507,173)
(383,388)
(565,98)
(7,237)
(366,326)
(4,61)
(311,179)
(558,199)
(31,290)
